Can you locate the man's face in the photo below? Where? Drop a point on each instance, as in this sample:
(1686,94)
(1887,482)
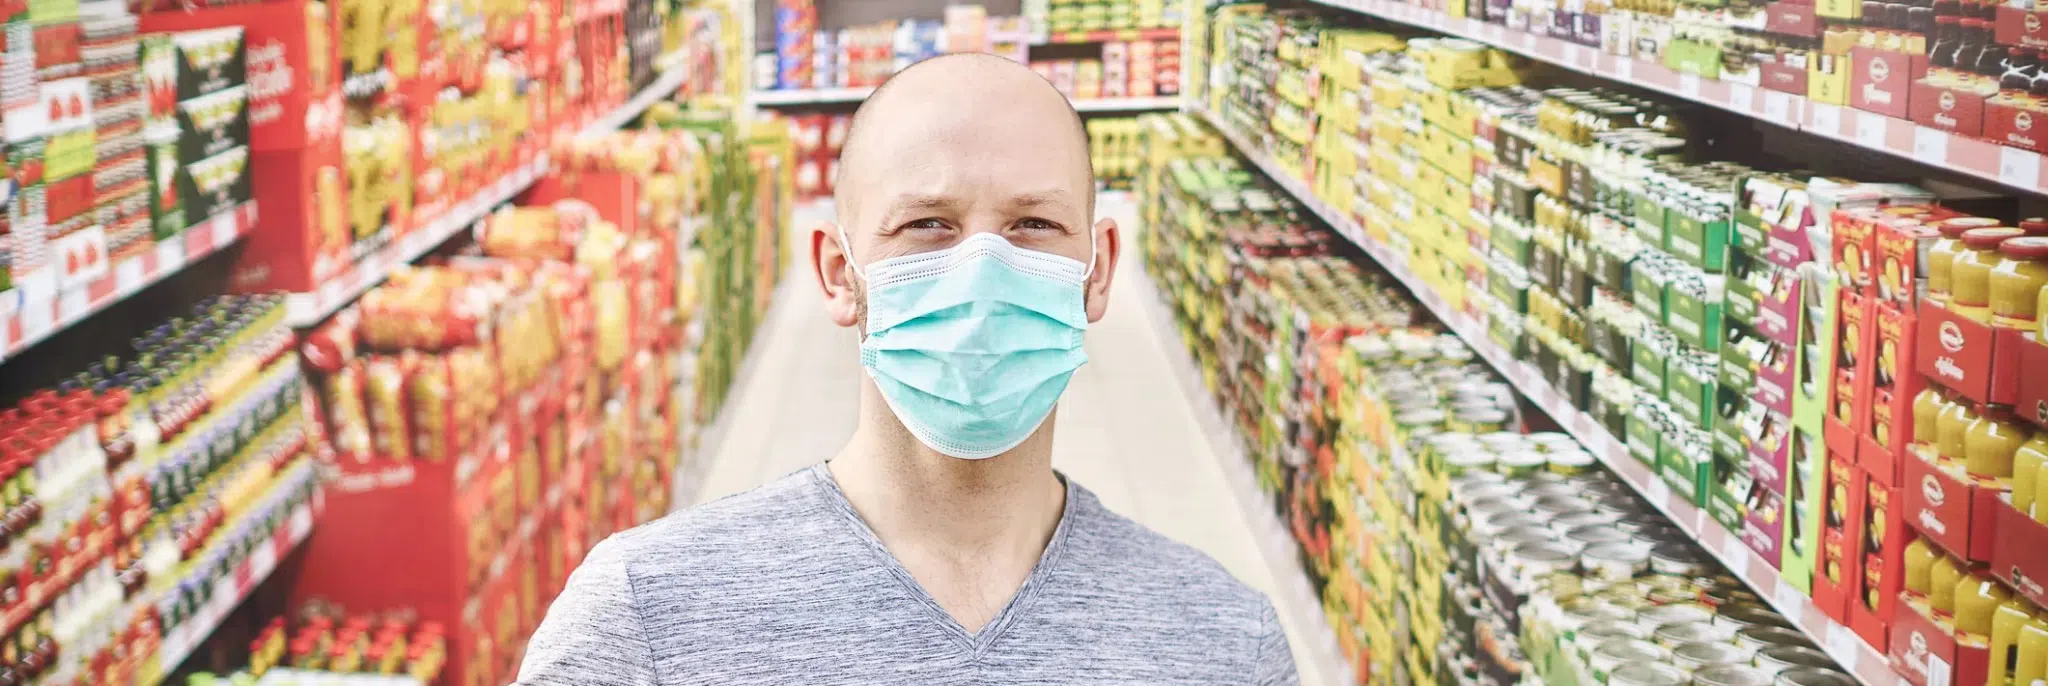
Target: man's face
(926,178)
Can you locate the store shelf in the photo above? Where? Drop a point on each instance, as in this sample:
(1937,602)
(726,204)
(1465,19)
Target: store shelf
(309,309)
(36,309)
(1104,36)
(833,96)
(1147,104)
(2021,169)
(1294,598)
(1867,663)
(230,591)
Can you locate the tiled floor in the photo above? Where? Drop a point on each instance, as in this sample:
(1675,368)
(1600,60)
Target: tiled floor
(1128,429)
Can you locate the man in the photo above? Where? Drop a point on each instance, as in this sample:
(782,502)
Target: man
(939,546)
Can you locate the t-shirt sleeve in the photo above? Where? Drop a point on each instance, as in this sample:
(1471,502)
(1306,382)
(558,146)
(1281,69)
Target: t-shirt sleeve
(592,633)
(1275,662)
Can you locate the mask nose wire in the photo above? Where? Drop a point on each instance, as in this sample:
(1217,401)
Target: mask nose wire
(846,246)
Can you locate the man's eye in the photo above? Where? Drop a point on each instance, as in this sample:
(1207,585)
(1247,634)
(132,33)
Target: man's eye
(1036,224)
(926,224)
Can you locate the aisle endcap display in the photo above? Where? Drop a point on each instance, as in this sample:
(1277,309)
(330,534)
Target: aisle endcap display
(1854,655)
(2019,168)
(38,309)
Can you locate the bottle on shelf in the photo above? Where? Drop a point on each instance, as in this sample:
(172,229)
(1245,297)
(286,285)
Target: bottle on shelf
(1993,441)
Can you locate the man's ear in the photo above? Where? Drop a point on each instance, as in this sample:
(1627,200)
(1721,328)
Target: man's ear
(829,263)
(1107,248)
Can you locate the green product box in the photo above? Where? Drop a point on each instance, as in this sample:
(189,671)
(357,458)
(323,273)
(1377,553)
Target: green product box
(1650,219)
(1509,283)
(1724,504)
(1738,372)
(1697,323)
(1648,370)
(1645,437)
(1646,288)
(1684,465)
(1749,235)
(1700,244)
(1806,475)
(1693,57)
(1691,396)
(1510,241)
(1738,297)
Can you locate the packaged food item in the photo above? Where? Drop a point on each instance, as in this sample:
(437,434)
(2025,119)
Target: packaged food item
(2017,282)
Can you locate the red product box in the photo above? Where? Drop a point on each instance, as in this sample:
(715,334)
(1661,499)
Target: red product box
(1976,360)
(1920,648)
(1893,385)
(1792,19)
(1854,241)
(1763,526)
(294,94)
(2014,26)
(1949,109)
(1900,242)
(1783,78)
(1882,81)
(2032,403)
(2011,121)
(1839,566)
(1847,415)
(1952,511)
(2022,559)
(1882,547)
(302,198)
(615,195)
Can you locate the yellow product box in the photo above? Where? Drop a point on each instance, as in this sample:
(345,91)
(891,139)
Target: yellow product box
(1827,78)
(1389,92)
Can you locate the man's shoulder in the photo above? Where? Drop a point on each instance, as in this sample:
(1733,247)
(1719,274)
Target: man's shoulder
(773,520)
(1131,557)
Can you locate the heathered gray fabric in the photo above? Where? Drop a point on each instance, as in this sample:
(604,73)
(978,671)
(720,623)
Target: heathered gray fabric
(785,584)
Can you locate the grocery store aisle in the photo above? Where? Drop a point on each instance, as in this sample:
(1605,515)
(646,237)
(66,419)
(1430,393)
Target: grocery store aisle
(1127,430)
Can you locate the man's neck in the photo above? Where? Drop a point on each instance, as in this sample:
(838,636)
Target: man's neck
(969,531)
(904,488)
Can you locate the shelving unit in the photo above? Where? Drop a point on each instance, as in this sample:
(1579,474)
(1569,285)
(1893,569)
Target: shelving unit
(230,591)
(2014,167)
(308,309)
(1866,662)
(37,309)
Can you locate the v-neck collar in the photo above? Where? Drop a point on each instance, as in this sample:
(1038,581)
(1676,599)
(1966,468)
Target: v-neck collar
(974,642)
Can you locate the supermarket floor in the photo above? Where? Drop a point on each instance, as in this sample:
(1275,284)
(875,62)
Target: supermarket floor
(1129,429)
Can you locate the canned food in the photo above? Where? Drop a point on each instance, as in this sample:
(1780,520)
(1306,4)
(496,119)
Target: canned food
(1511,537)
(1681,633)
(1676,559)
(1730,675)
(1811,676)
(1612,654)
(1613,562)
(1468,460)
(1531,561)
(1691,657)
(1600,632)
(1760,637)
(1552,507)
(1557,489)
(1553,441)
(1671,594)
(1504,441)
(1777,659)
(1589,535)
(1478,418)
(1646,674)
(1580,612)
(1720,596)
(1520,464)
(1741,616)
(1618,506)
(1570,462)
(1575,520)
(1682,613)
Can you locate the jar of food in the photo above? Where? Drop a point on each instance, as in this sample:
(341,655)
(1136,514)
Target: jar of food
(1949,428)
(2026,467)
(2012,615)
(1926,406)
(2033,652)
(1991,443)
(1977,601)
(1942,578)
(2016,282)
(1970,276)
(1942,254)
(1919,562)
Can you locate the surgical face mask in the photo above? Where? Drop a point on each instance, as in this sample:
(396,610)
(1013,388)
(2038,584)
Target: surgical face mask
(972,345)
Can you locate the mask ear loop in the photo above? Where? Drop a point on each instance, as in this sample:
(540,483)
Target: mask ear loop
(846,246)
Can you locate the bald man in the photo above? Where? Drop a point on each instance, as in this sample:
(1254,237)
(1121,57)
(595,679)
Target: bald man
(938,546)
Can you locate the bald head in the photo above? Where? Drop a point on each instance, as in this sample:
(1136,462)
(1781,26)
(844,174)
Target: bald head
(970,99)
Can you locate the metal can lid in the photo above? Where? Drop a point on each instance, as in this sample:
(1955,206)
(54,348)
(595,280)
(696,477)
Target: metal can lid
(1630,650)
(1730,675)
(1681,633)
(1779,658)
(1702,653)
(1646,673)
(1813,676)
(1761,637)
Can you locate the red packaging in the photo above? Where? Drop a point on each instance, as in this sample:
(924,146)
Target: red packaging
(294,95)
(2011,121)
(1980,362)
(1920,649)
(1792,19)
(2015,26)
(1882,81)
(1783,78)
(1956,514)
(1840,566)
(1882,548)
(1949,109)
(1847,414)
(1890,392)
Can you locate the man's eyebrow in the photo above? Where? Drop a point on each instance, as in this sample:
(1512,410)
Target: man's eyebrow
(908,204)
(1054,197)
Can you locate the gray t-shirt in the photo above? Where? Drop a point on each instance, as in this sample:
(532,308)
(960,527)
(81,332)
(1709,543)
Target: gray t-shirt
(785,584)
